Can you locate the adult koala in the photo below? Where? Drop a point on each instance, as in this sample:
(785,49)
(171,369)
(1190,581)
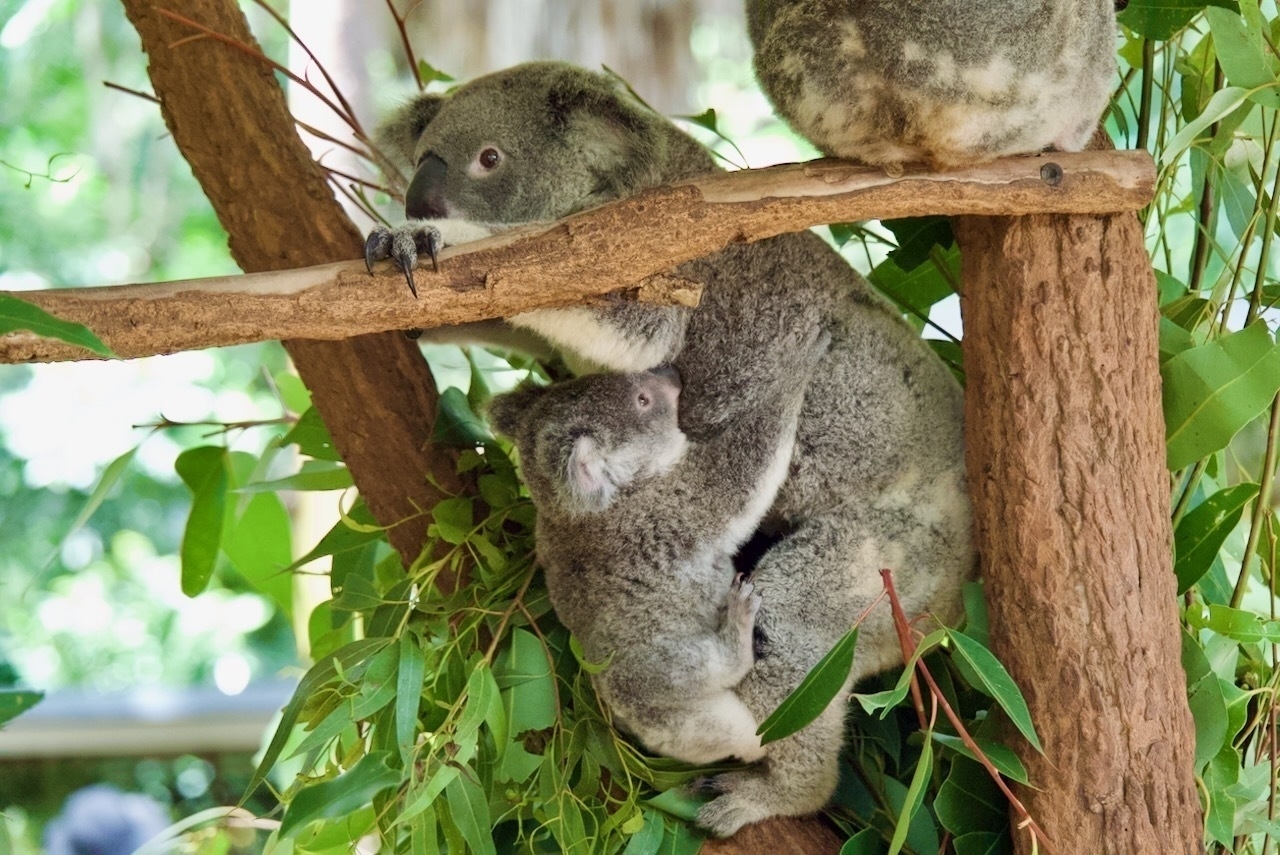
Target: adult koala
(948,82)
(877,478)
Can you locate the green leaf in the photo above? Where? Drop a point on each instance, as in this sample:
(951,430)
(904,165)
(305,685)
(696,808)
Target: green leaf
(1242,52)
(343,538)
(649,837)
(111,475)
(981,843)
(996,683)
(453,519)
(915,796)
(916,236)
(16,314)
(1224,102)
(814,694)
(920,288)
(319,674)
(259,545)
(457,425)
(865,842)
(1204,529)
(1220,778)
(428,74)
(351,790)
(1001,756)
(970,801)
(204,471)
(1212,391)
(882,702)
(1208,705)
(14,702)
(312,437)
(412,671)
(313,475)
(1234,623)
(1160,19)
(469,810)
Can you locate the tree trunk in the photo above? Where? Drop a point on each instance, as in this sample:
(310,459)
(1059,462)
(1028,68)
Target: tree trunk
(1071,499)
(229,120)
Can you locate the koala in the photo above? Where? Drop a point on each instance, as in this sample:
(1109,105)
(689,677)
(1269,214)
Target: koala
(949,82)
(636,531)
(876,478)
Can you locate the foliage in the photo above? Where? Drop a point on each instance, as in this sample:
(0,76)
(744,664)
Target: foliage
(448,711)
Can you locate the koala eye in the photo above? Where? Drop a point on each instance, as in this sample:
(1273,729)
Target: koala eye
(489,158)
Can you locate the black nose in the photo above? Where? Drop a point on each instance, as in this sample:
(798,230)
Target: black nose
(424,200)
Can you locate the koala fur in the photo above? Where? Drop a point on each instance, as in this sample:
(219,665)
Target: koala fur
(636,532)
(948,82)
(877,476)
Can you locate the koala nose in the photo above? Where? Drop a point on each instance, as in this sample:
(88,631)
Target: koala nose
(424,200)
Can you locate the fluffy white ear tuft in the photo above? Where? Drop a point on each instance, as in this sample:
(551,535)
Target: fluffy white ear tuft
(590,488)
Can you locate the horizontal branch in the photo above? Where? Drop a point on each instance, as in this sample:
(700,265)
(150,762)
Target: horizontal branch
(623,245)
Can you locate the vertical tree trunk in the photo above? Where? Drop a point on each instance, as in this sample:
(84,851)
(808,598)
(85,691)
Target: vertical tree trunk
(229,119)
(1071,499)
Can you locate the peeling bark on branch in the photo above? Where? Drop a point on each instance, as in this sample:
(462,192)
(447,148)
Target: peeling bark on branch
(614,246)
(1065,438)
(229,119)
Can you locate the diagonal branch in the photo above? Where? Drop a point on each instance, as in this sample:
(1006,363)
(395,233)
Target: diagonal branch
(616,246)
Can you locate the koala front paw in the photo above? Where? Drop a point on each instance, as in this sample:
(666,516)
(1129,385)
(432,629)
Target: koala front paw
(402,245)
(733,805)
(744,604)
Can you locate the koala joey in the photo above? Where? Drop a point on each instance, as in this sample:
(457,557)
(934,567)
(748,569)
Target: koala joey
(636,531)
(947,82)
(877,476)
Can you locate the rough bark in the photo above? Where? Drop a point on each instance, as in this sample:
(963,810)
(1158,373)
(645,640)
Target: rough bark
(613,246)
(781,836)
(229,119)
(1070,492)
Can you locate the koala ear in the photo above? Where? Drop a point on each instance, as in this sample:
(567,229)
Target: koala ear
(507,412)
(624,151)
(397,135)
(587,478)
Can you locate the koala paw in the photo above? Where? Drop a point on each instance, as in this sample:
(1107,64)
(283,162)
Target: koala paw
(744,603)
(403,245)
(733,806)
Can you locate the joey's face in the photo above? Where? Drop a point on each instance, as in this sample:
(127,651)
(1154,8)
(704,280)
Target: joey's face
(596,435)
(509,148)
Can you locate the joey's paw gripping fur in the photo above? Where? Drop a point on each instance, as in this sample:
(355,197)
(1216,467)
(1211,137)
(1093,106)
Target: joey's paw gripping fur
(403,245)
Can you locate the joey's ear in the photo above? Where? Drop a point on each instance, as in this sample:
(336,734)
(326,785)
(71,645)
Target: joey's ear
(587,477)
(612,128)
(397,135)
(507,412)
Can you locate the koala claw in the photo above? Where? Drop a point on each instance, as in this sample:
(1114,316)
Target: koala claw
(403,245)
(744,602)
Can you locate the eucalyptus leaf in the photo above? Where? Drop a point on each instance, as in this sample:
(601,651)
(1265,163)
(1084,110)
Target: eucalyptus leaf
(866,842)
(996,683)
(814,694)
(312,437)
(1161,19)
(348,792)
(204,471)
(14,702)
(1212,391)
(469,809)
(314,475)
(17,315)
(915,797)
(1201,533)
(412,671)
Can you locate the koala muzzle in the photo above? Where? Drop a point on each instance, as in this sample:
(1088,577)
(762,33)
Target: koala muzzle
(424,200)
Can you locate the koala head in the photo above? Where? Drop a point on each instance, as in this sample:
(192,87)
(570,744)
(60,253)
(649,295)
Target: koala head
(583,440)
(532,143)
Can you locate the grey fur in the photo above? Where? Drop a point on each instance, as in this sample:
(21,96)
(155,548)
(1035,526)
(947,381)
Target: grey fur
(948,82)
(877,478)
(637,529)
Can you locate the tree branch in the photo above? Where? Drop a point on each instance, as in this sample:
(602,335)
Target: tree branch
(616,246)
